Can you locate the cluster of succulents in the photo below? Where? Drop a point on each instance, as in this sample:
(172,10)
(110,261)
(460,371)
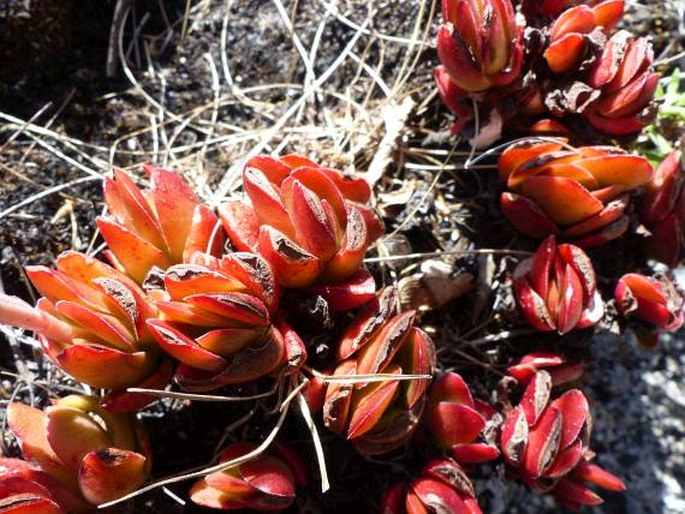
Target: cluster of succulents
(561,68)
(199,299)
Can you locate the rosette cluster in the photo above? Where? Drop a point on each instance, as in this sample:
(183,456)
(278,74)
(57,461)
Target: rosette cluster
(578,194)
(562,64)
(556,288)
(379,416)
(83,455)
(547,443)
(309,222)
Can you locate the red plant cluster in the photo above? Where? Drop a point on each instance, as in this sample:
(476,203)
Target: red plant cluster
(201,300)
(562,66)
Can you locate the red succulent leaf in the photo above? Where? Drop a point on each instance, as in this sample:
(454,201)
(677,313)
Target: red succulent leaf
(514,436)
(543,443)
(588,472)
(536,396)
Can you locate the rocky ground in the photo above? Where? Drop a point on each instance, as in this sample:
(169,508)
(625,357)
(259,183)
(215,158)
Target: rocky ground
(202,88)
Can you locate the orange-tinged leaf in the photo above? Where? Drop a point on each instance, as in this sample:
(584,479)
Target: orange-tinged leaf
(630,171)
(608,13)
(72,434)
(267,202)
(109,473)
(104,328)
(563,200)
(130,208)
(134,253)
(527,216)
(579,19)
(376,354)
(292,264)
(239,308)
(347,261)
(274,169)
(183,280)
(183,348)
(294,161)
(519,153)
(317,229)
(353,293)
(206,234)
(56,286)
(226,342)
(240,223)
(370,403)
(637,57)
(368,321)
(254,361)
(28,426)
(612,212)
(318,182)
(105,368)
(174,202)
(565,53)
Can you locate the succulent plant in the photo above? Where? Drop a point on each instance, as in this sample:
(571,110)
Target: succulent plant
(557,366)
(165,226)
(309,222)
(217,320)
(84,455)
(266,483)
(579,194)
(380,416)
(546,442)
(479,43)
(654,300)
(442,486)
(571,33)
(662,210)
(92,322)
(625,81)
(456,420)
(556,288)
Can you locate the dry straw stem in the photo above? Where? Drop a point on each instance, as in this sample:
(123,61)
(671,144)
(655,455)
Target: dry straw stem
(201,472)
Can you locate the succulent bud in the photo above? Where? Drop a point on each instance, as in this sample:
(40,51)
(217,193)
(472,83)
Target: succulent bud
(91,455)
(166,226)
(479,43)
(579,194)
(380,416)
(309,222)
(556,288)
(265,483)
(546,443)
